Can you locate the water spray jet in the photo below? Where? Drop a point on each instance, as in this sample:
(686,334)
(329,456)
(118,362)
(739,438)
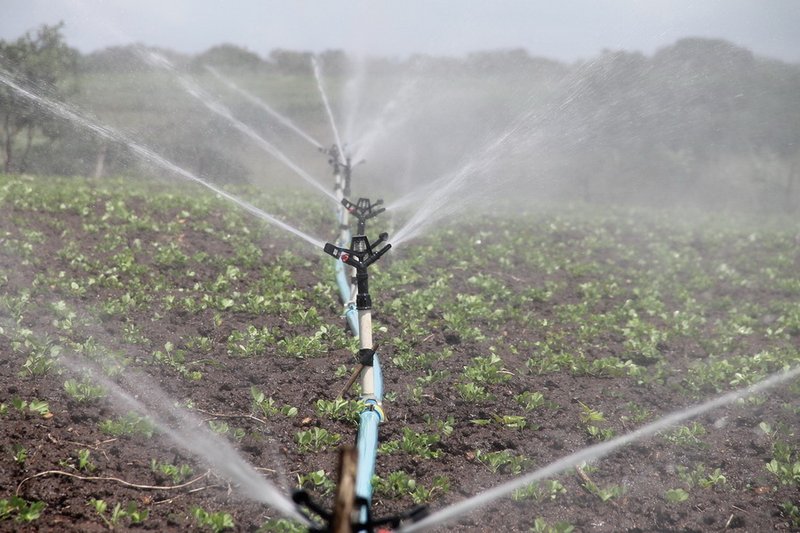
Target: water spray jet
(218,108)
(597,451)
(260,103)
(63,110)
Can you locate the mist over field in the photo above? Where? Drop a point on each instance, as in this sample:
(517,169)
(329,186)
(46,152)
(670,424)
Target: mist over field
(700,122)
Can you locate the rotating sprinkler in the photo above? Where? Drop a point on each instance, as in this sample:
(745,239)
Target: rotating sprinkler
(363,210)
(346,274)
(357,467)
(342,167)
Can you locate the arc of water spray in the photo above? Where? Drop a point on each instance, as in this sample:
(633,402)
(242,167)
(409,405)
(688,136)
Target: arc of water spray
(217,107)
(216,451)
(434,201)
(264,106)
(147,154)
(597,451)
(328,110)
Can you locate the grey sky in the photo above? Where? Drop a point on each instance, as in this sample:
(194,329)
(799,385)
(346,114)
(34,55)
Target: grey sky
(559,29)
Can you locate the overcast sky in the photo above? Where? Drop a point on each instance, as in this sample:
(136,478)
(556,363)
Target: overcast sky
(558,29)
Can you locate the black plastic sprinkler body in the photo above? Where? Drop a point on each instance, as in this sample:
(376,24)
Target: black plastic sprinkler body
(342,166)
(363,210)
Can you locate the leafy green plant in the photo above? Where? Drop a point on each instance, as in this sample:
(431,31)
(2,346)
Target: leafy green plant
(540,491)
(472,392)
(129,424)
(316,439)
(699,477)
(20,509)
(267,406)
(504,461)
(411,442)
(792,512)
(317,480)
(487,370)
(176,473)
(251,342)
(217,522)
(115,516)
(84,391)
(84,463)
(398,483)
(540,525)
(339,409)
(676,495)
(610,492)
(687,435)
(530,400)
(785,464)
(19,453)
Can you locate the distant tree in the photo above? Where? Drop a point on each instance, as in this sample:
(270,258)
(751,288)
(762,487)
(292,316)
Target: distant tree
(44,61)
(289,62)
(115,59)
(228,55)
(335,62)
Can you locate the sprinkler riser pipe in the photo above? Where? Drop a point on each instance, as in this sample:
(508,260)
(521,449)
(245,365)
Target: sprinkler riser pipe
(363,299)
(365,329)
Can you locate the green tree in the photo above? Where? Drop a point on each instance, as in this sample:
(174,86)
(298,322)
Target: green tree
(44,62)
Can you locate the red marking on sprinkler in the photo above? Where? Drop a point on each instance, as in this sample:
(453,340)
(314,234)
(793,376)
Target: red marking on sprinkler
(344,257)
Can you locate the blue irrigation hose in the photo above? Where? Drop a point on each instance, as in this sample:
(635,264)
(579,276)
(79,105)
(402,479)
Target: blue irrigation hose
(367,444)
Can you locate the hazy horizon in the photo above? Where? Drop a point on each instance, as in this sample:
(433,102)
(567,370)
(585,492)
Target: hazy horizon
(568,31)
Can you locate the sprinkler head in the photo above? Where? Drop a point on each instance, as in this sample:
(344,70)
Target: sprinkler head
(361,253)
(363,210)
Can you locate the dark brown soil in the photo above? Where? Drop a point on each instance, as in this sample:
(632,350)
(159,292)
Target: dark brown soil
(749,500)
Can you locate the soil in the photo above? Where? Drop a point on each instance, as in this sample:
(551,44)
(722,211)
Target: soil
(121,473)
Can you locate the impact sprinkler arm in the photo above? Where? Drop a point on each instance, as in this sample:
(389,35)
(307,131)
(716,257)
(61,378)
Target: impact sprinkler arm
(363,210)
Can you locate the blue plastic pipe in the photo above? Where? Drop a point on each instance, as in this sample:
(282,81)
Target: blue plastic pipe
(367,444)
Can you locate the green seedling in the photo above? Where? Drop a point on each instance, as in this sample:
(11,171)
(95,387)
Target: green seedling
(176,473)
(84,391)
(676,495)
(19,453)
(339,409)
(317,480)
(503,461)
(118,512)
(398,484)
(530,400)
(472,392)
(129,424)
(487,370)
(267,407)
(216,522)
(413,443)
(687,435)
(84,463)
(540,491)
(20,509)
(540,525)
(316,439)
